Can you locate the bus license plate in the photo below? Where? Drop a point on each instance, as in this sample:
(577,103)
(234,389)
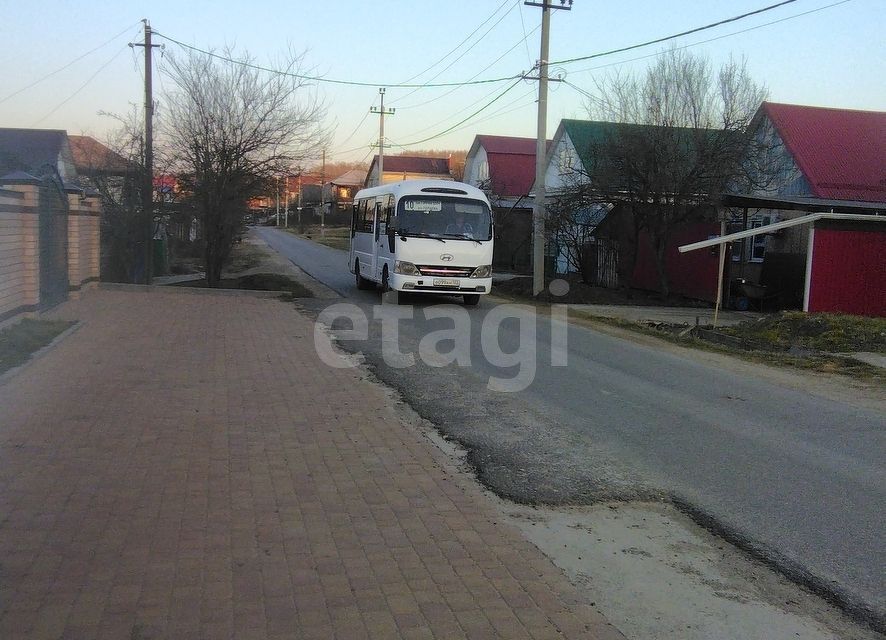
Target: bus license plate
(446,282)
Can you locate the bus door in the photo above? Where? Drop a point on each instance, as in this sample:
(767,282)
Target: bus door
(373,247)
(383,249)
(363,237)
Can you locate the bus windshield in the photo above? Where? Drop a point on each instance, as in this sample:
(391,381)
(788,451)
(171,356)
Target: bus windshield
(457,218)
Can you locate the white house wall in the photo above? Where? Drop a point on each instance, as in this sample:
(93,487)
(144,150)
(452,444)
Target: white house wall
(473,165)
(555,177)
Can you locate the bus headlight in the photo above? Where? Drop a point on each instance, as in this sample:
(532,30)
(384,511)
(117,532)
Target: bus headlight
(483,271)
(406,268)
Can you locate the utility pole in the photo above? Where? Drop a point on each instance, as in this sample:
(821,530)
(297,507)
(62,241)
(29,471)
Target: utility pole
(381,134)
(538,209)
(278,202)
(286,209)
(299,199)
(322,203)
(148,185)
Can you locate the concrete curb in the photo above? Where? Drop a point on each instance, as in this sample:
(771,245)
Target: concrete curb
(205,291)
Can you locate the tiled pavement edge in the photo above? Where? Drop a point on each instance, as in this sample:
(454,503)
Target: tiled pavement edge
(184,467)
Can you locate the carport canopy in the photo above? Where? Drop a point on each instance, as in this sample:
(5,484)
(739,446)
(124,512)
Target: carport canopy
(821,210)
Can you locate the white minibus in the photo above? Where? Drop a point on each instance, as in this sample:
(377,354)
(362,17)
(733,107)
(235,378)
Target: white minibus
(423,236)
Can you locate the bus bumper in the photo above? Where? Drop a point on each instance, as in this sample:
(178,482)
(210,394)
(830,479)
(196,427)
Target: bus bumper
(427,284)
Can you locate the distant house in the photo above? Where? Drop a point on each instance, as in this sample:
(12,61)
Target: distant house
(504,167)
(100,167)
(408,168)
(49,224)
(37,152)
(836,155)
(339,195)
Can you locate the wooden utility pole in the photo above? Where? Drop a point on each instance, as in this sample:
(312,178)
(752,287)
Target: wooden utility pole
(381,134)
(299,198)
(538,209)
(148,184)
(322,188)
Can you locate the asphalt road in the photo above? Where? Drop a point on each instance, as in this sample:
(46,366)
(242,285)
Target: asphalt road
(795,478)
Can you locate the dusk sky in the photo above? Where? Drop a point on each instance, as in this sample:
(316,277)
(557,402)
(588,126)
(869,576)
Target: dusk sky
(831,57)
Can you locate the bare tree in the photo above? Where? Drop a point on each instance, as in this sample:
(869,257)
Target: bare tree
(682,139)
(117,174)
(231,129)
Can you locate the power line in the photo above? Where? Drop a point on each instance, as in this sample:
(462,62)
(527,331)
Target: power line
(82,86)
(309,78)
(68,65)
(360,124)
(525,35)
(407,85)
(461,122)
(344,151)
(725,35)
(456,47)
(486,68)
(676,35)
(465,52)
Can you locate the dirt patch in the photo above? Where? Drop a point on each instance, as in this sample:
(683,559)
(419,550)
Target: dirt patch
(21,340)
(256,282)
(724,341)
(581,293)
(815,331)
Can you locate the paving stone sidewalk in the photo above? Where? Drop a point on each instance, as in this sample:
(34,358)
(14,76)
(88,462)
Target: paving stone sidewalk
(185,467)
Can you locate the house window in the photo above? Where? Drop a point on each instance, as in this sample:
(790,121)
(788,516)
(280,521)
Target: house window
(483,171)
(755,246)
(757,250)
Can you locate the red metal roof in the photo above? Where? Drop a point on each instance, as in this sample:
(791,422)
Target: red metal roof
(511,163)
(841,152)
(508,144)
(91,156)
(414,164)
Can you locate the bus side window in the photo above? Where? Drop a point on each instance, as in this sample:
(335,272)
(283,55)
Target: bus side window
(380,219)
(390,217)
(367,207)
(354,210)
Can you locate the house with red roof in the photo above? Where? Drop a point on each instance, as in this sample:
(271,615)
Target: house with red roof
(829,155)
(408,168)
(837,154)
(339,195)
(504,167)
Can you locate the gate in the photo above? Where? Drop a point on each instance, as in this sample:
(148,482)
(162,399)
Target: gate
(53,239)
(607,263)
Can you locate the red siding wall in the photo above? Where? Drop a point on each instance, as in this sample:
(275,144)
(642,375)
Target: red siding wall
(692,274)
(848,272)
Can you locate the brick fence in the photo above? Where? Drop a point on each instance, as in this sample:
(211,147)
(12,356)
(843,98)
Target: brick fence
(58,237)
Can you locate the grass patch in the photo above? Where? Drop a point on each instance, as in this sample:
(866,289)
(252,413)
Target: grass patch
(257,282)
(19,341)
(334,237)
(819,362)
(244,256)
(832,333)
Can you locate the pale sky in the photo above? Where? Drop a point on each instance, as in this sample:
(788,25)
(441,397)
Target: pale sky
(834,57)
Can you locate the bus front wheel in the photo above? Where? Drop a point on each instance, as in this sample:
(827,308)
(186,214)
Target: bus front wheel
(471,299)
(362,283)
